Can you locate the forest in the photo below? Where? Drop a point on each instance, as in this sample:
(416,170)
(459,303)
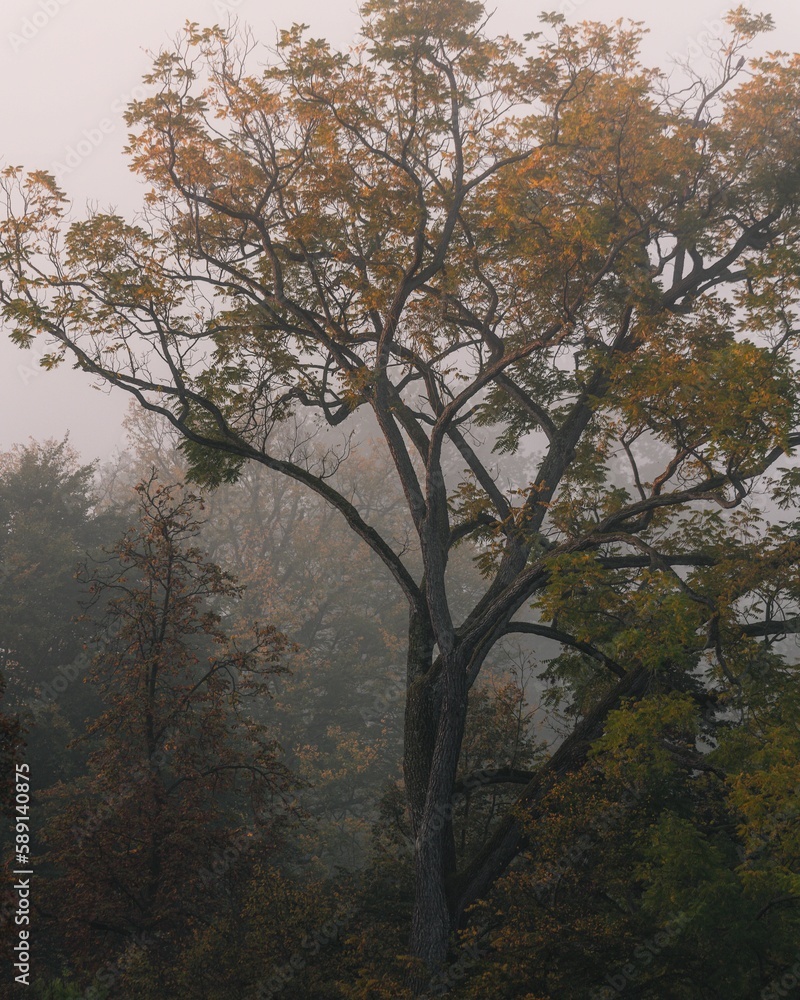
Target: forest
(435,633)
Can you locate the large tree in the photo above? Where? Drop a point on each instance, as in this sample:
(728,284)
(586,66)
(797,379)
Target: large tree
(456,231)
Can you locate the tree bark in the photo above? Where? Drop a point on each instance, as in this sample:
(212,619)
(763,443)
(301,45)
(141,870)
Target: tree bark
(442,715)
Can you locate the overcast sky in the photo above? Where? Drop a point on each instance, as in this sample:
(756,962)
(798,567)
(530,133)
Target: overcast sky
(67,68)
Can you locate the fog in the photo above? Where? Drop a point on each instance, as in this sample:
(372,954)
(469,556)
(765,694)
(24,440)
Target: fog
(540,693)
(68,68)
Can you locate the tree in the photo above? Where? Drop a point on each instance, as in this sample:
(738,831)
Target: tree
(48,522)
(177,774)
(338,711)
(455,231)
(638,862)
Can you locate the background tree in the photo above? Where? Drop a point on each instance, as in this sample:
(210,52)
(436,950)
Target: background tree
(338,710)
(452,231)
(177,773)
(49,520)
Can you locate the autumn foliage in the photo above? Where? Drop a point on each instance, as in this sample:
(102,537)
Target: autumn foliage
(560,290)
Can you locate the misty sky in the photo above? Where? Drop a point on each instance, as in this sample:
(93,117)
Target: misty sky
(67,68)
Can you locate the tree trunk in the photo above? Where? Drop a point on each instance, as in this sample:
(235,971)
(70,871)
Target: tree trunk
(423,706)
(434,844)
